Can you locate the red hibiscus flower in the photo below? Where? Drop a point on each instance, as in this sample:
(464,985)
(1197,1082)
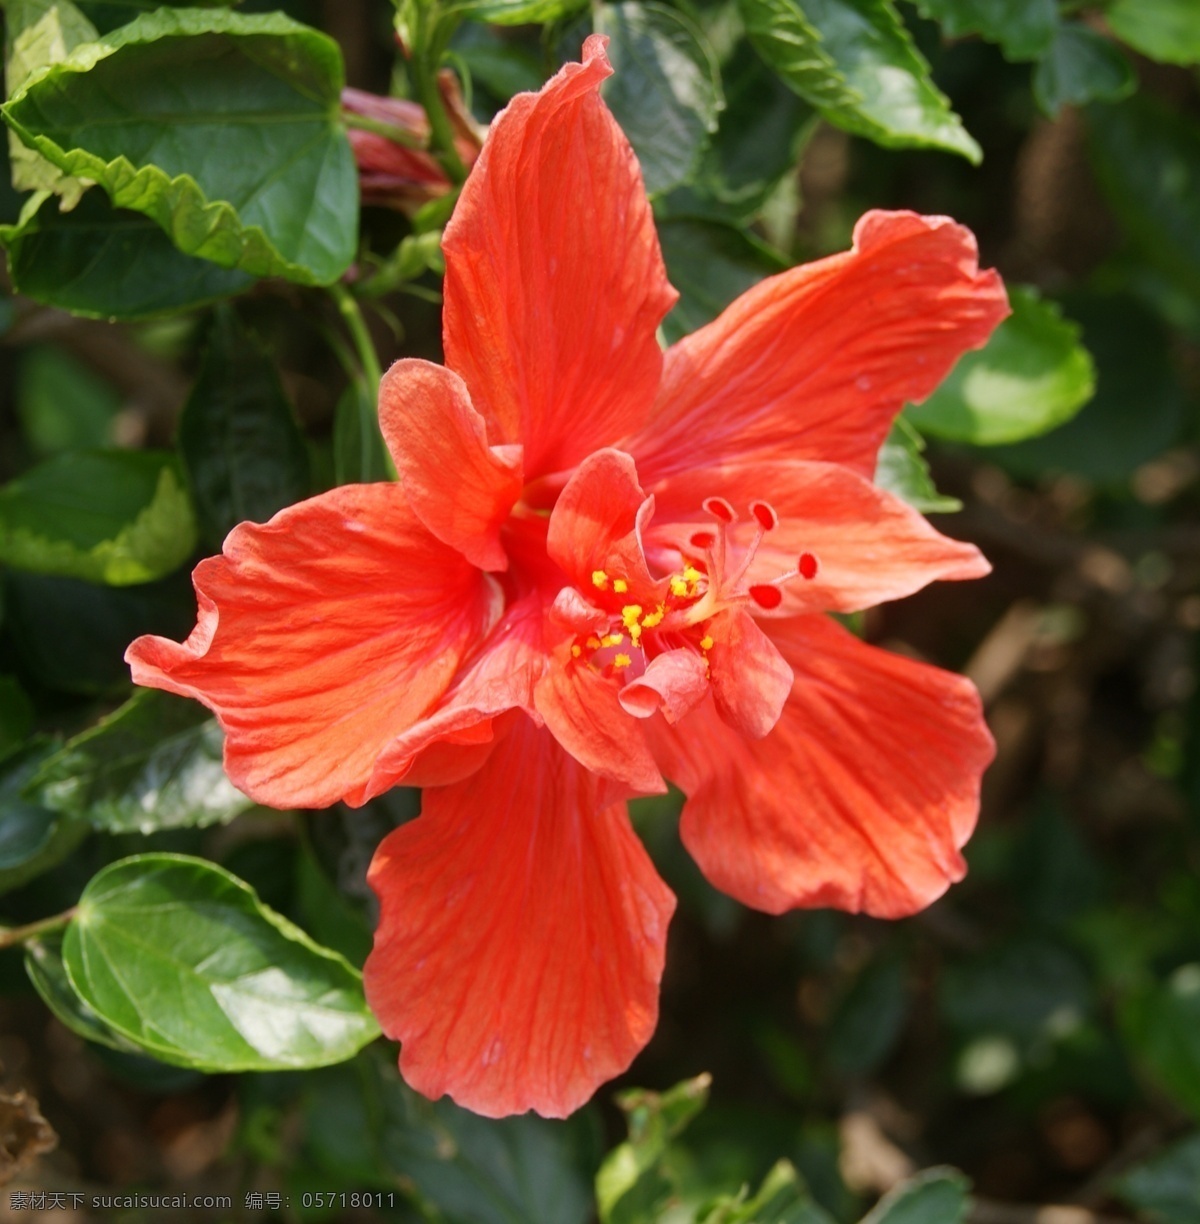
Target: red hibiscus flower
(606,565)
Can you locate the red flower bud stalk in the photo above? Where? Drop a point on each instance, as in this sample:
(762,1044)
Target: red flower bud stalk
(396,170)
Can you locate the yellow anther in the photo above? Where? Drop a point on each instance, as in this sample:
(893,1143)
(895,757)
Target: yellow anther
(654,618)
(593,643)
(679,586)
(692,575)
(622,660)
(599,579)
(576,650)
(612,639)
(630,614)
(706,642)
(635,632)
(620,586)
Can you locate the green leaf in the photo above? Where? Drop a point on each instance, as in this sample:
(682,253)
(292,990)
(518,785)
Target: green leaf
(1166,1188)
(1137,411)
(868,1021)
(118,517)
(359,455)
(1162,1024)
(632,1184)
(44,965)
(710,263)
(516,12)
(901,469)
(182,958)
(107,15)
(855,61)
(1032,376)
(109,263)
(1148,162)
(70,635)
(154,763)
(243,452)
(168,114)
(39,33)
(665,90)
(1165,30)
(759,136)
(783,1198)
(16,714)
(1081,66)
(364,1123)
(936,1196)
(62,404)
(1023,28)
(331,916)
(32,838)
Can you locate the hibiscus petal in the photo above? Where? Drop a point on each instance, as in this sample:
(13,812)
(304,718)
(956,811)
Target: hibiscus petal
(322,635)
(521,936)
(554,279)
(816,362)
(455,738)
(673,683)
(750,678)
(868,546)
(860,798)
(596,525)
(582,709)
(461,488)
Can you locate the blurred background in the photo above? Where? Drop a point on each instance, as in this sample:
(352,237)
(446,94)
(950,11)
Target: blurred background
(1039,1028)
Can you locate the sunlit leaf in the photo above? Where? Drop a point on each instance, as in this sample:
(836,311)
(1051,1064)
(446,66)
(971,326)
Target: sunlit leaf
(182,958)
(155,763)
(1031,377)
(168,114)
(1166,30)
(855,61)
(118,517)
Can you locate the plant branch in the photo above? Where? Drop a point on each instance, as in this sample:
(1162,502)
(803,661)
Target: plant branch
(397,135)
(11,936)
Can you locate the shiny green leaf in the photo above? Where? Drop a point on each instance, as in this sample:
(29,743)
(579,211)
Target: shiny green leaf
(153,764)
(243,452)
(516,12)
(182,958)
(1031,377)
(117,517)
(1081,66)
(855,61)
(44,965)
(665,90)
(1165,30)
(109,263)
(168,114)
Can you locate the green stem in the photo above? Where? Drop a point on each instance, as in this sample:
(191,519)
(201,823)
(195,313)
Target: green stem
(357,326)
(397,135)
(426,54)
(368,359)
(10,936)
